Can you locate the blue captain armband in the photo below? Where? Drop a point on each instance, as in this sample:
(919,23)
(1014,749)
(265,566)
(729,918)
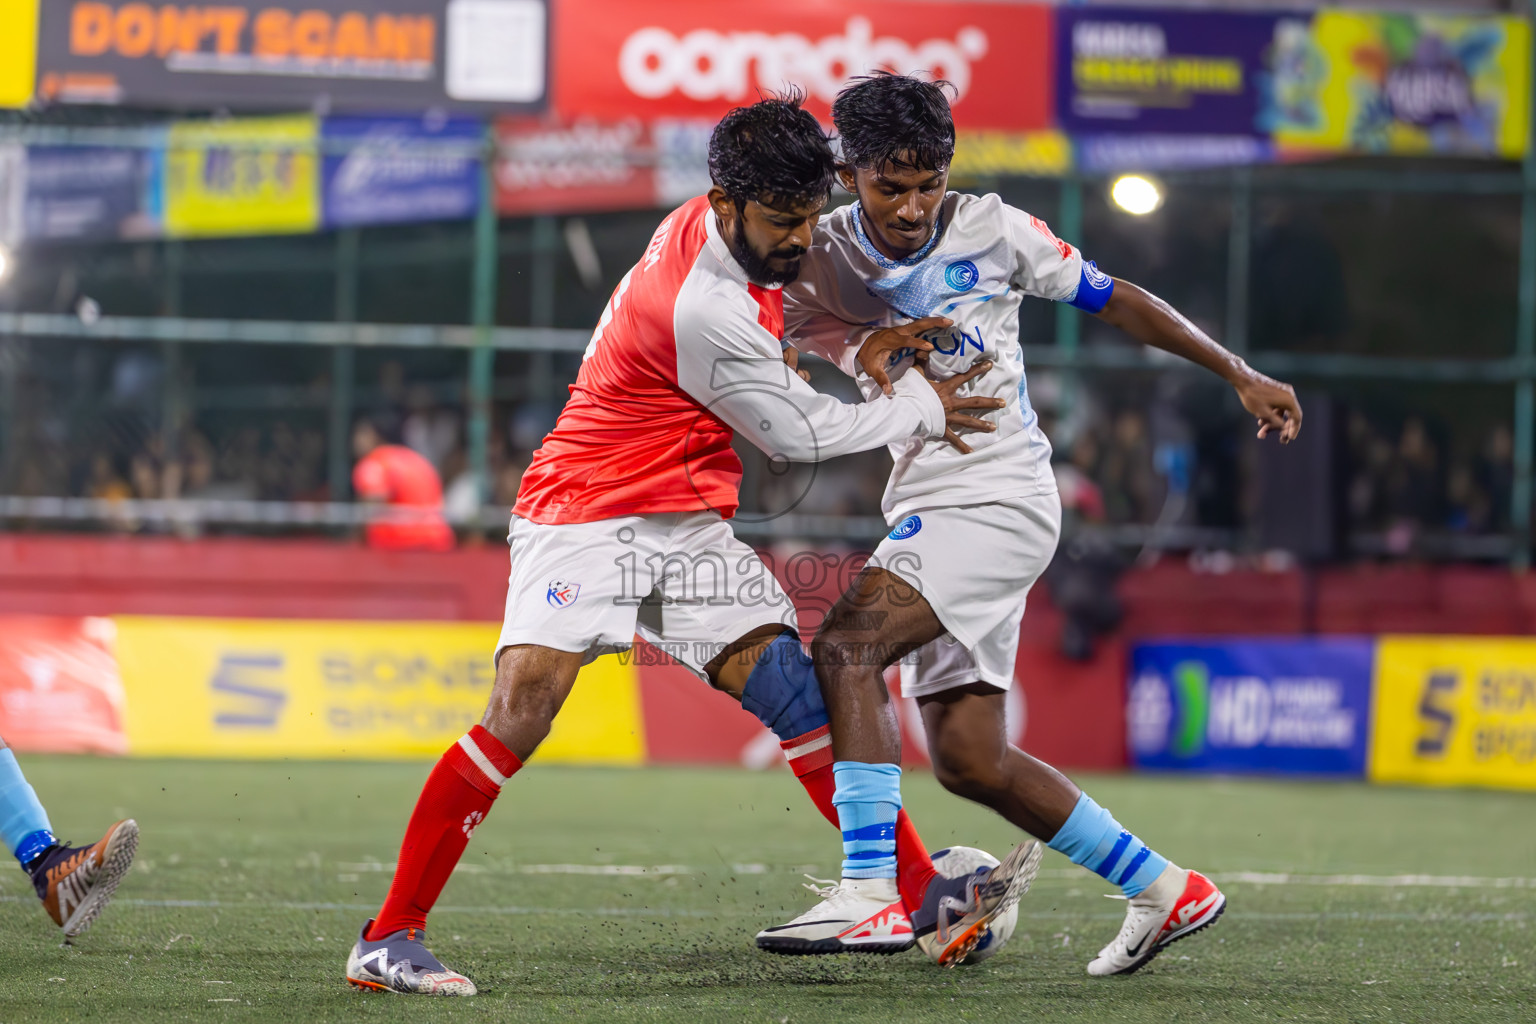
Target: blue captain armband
(1093,289)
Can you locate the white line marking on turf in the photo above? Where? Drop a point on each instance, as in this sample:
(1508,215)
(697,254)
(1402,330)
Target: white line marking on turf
(622,870)
(1370,881)
(1223,877)
(1034,911)
(1423,881)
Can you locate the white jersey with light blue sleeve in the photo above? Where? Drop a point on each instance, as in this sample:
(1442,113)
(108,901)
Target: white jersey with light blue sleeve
(983,259)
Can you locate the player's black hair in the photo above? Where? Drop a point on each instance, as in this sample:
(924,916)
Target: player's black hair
(772,150)
(886,118)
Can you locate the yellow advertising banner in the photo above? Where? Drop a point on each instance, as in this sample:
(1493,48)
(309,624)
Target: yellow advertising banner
(248,176)
(250,688)
(1403,83)
(1454,711)
(987,154)
(18,51)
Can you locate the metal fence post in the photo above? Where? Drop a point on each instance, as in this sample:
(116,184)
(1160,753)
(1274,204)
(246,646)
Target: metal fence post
(1525,386)
(546,249)
(1239,254)
(483,317)
(343,369)
(171,405)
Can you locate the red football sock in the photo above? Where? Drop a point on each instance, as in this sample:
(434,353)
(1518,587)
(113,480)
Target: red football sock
(457,797)
(810,758)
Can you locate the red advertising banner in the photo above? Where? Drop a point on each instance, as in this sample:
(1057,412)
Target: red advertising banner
(60,689)
(698,58)
(547,167)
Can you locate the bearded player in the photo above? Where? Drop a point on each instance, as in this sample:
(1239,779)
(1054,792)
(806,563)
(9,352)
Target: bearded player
(975,523)
(620,523)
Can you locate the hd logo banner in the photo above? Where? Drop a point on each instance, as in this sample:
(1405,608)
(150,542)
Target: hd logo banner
(1251,706)
(1455,711)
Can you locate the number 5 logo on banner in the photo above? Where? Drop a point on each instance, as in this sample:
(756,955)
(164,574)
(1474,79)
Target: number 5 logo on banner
(1436,713)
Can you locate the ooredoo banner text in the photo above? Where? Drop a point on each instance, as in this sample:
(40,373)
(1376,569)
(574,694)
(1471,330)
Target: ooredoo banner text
(699,58)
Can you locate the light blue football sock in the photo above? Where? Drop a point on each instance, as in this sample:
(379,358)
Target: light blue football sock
(868,799)
(23,822)
(1093,838)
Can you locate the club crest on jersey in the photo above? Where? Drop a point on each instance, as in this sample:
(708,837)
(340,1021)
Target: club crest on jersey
(562,594)
(906,528)
(961,275)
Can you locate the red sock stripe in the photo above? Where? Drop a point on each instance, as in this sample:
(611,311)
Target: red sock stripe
(809,751)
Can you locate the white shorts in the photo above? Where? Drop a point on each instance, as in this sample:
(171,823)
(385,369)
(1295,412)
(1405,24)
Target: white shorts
(974,564)
(681,580)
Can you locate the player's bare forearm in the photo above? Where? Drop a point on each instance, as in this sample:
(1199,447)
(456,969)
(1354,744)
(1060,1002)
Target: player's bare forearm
(1154,322)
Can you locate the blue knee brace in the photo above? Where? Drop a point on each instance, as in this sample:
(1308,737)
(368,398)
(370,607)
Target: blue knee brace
(782,690)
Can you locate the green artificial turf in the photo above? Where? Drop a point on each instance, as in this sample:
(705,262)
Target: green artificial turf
(253,878)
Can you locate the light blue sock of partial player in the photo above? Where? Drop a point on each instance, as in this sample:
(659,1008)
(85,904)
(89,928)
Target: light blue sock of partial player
(1093,838)
(23,822)
(868,799)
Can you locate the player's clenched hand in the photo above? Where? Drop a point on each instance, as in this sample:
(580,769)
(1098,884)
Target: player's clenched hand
(954,418)
(792,360)
(875,353)
(1273,403)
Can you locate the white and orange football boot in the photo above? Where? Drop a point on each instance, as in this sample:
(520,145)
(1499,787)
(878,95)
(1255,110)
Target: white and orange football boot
(1176,904)
(856,915)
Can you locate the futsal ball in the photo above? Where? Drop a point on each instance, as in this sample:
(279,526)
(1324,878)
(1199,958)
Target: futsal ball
(963,860)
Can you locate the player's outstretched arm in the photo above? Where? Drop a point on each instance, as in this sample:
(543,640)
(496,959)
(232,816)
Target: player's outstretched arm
(1152,321)
(736,369)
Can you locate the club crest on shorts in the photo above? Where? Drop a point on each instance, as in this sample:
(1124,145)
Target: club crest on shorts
(562,594)
(906,528)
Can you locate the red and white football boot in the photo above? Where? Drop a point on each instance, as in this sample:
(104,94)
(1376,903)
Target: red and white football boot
(1176,904)
(856,915)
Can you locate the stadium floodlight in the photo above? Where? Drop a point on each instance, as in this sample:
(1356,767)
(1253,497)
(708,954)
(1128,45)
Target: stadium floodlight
(1136,194)
(6,263)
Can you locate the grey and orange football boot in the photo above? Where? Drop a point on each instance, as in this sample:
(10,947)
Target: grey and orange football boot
(76,883)
(401,962)
(957,911)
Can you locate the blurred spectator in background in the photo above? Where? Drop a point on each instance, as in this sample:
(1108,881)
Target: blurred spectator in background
(1412,487)
(1125,472)
(1467,508)
(1081,578)
(407,490)
(1496,475)
(429,430)
(105,482)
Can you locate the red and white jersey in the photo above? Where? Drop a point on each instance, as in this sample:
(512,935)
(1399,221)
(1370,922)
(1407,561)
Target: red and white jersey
(686,353)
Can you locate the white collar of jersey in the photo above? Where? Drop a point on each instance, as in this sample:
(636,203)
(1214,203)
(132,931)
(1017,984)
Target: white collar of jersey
(855,212)
(718,246)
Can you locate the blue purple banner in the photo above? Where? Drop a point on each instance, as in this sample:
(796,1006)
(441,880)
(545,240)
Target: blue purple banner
(88,193)
(1134,70)
(396,169)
